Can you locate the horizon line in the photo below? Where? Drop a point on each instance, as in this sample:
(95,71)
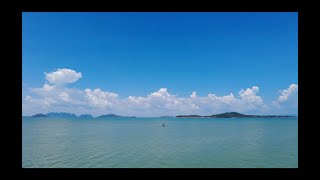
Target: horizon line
(291,114)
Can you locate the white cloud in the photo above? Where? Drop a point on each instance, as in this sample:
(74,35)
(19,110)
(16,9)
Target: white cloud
(47,87)
(162,102)
(287,102)
(28,98)
(157,103)
(193,95)
(99,98)
(250,95)
(63,76)
(287,93)
(162,92)
(64,97)
(57,97)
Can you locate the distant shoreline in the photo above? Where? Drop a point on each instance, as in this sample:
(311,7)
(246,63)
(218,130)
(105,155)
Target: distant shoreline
(208,117)
(234,115)
(223,115)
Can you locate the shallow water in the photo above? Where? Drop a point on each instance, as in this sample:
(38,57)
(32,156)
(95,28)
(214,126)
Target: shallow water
(143,142)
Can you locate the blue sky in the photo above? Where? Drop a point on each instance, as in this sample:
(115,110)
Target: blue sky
(135,54)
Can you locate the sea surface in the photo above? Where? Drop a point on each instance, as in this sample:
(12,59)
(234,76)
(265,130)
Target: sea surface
(144,143)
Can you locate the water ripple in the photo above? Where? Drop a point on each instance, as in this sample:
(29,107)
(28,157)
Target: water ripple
(144,143)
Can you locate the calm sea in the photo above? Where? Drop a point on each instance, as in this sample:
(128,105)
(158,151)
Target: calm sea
(143,142)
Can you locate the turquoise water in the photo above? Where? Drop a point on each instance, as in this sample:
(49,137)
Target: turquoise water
(143,142)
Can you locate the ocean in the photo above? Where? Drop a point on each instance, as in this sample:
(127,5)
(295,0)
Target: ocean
(144,143)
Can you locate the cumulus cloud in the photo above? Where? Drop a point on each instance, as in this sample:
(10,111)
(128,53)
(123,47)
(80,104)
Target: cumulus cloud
(63,76)
(287,102)
(193,95)
(162,102)
(99,98)
(47,87)
(247,101)
(249,95)
(163,92)
(287,93)
(55,96)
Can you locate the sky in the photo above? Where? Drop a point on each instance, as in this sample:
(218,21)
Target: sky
(151,64)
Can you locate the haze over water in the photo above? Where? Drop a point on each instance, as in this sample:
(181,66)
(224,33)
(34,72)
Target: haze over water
(143,143)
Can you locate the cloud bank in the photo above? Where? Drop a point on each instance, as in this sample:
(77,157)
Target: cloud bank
(55,96)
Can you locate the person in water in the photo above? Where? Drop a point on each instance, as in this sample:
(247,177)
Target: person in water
(163,124)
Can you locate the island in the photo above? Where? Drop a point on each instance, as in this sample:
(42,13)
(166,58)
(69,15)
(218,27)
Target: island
(189,116)
(73,116)
(61,115)
(234,115)
(108,116)
(39,115)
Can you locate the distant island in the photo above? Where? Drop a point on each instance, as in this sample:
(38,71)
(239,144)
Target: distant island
(233,115)
(73,116)
(39,115)
(107,116)
(61,115)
